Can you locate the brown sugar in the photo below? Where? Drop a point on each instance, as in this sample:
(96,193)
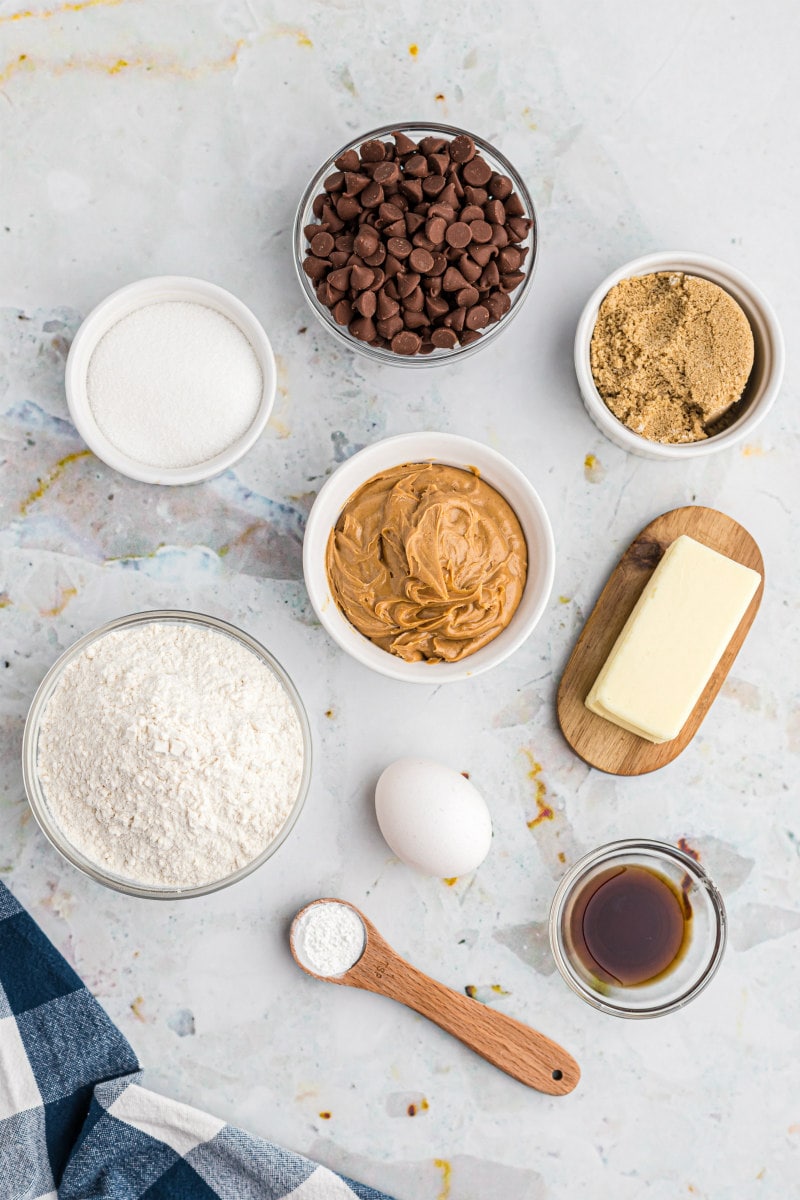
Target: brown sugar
(671,354)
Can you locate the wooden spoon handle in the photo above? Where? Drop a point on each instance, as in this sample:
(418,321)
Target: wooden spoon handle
(515,1048)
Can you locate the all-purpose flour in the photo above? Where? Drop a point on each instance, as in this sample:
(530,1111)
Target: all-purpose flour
(170,754)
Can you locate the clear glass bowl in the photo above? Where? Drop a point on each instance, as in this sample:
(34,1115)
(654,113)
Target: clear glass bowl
(36,793)
(700,956)
(305,216)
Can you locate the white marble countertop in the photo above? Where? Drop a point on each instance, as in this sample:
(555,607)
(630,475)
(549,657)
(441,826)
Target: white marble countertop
(144,138)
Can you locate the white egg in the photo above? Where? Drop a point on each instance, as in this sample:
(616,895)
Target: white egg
(432,817)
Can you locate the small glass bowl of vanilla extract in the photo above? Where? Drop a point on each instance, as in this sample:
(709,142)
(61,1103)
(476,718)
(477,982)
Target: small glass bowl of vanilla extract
(637,928)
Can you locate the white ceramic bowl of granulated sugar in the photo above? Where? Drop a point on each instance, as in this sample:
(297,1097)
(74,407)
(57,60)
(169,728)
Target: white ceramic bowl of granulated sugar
(170,380)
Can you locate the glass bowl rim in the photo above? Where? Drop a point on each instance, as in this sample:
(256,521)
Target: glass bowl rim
(379,354)
(606,853)
(35,791)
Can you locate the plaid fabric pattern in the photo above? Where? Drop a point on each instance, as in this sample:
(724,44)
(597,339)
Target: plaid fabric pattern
(75,1122)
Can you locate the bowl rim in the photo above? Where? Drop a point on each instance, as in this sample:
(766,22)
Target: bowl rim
(379,354)
(766,333)
(606,853)
(127,299)
(453,450)
(36,794)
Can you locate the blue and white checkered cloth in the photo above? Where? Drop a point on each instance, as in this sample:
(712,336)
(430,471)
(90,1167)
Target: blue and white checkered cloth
(75,1123)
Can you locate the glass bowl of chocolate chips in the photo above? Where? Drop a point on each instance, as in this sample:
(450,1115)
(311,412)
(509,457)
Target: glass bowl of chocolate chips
(415,244)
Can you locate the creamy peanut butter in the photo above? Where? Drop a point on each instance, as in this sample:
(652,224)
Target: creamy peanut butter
(428,562)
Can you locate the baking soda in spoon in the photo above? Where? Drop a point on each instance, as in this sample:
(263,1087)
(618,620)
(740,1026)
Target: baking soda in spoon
(173,384)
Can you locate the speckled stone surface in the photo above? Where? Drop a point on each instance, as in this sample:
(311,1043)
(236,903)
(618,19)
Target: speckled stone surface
(146,138)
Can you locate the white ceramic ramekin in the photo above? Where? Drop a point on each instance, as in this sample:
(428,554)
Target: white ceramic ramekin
(765,379)
(120,304)
(454,451)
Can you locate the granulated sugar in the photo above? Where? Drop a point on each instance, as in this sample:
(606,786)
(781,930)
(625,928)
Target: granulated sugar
(170,754)
(173,384)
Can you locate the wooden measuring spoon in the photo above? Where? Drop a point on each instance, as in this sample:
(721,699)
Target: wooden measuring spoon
(515,1048)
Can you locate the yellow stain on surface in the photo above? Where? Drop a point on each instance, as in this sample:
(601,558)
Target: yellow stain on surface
(5,600)
(65,595)
(527,116)
(47,482)
(136,1009)
(543,811)
(501,991)
(564,599)
(413,49)
(60,10)
(326,1116)
(117,66)
(753,450)
(299,35)
(593,469)
(241,539)
(447,1177)
(450,882)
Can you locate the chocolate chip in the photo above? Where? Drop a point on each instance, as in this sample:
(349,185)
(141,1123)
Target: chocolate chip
(406,342)
(514,207)
(366,241)
(403,143)
(347,207)
(433,185)
(322,244)
(519,227)
(342,312)
(462,148)
(386,306)
(354,183)
(508,259)
(436,228)
(416,166)
(334,182)
(388,328)
(469,268)
(371,196)
(481,254)
(453,280)
(481,231)
(414,301)
(466,297)
(432,144)
(360,278)
(498,305)
(421,260)
(458,234)
(373,151)
(400,247)
(407,282)
(315,268)
(495,212)
(469,336)
(349,161)
(445,339)
(363,328)
(477,172)
(500,186)
(366,304)
(386,172)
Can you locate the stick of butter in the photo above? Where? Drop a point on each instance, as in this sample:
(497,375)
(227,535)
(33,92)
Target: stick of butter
(673,640)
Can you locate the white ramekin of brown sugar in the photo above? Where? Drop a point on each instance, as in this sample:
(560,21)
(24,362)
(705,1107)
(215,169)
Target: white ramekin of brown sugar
(762,386)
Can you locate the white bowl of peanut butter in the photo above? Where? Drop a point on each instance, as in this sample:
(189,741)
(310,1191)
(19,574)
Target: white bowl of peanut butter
(428,557)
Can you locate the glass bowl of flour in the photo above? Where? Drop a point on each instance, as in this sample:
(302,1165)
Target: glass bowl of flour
(166,754)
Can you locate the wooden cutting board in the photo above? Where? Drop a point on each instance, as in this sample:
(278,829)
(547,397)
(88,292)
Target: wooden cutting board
(597,741)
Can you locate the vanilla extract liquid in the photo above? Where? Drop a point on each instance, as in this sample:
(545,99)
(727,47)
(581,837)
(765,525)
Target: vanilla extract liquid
(629,925)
